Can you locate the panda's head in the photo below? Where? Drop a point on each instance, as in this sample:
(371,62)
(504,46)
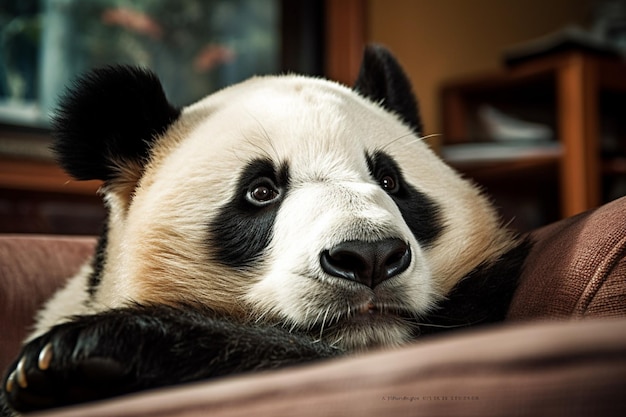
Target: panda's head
(286,200)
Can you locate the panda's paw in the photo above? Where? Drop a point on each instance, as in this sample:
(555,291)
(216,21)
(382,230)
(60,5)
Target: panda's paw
(61,368)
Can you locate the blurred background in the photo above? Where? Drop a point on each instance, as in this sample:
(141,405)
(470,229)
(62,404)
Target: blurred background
(525,97)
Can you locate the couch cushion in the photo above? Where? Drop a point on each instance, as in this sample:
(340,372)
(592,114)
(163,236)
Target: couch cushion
(577,268)
(539,369)
(31,269)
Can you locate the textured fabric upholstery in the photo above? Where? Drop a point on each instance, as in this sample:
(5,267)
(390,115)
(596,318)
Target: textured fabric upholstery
(577,268)
(31,269)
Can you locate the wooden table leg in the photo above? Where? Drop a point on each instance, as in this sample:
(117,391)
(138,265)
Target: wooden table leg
(577,89)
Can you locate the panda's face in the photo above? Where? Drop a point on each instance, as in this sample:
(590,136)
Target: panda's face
(284,200)
(294,201)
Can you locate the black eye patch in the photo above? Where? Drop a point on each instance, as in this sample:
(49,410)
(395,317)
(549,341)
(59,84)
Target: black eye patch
(419,211)
(385,171)
(243,228)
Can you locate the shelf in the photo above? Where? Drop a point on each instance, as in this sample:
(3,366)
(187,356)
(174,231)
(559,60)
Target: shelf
(41,176)
(489,162)
(489,153)
(576,94)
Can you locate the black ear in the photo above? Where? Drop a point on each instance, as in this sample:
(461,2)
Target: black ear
(109,119)
(382,79)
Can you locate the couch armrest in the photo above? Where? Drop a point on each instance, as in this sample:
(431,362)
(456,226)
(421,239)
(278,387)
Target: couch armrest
(31,269)
(577,268)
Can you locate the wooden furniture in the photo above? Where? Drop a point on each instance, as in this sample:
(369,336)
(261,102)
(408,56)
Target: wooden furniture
(42,176)
(571,91)
(37,196)
(345,38)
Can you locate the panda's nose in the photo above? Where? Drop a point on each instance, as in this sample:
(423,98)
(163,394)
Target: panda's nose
(369,263)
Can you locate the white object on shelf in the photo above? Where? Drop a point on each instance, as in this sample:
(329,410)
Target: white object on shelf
(502,127)
(499,152)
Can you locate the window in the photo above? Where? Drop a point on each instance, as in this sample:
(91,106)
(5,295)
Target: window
(194,46)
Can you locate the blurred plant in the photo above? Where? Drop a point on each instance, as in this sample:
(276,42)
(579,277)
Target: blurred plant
(20,29)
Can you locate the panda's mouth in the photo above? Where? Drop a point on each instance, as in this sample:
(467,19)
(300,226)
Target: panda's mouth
(373,311)
(367,314)
(365,325)
(368,308)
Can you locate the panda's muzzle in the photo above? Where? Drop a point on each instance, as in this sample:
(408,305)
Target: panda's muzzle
(369,263)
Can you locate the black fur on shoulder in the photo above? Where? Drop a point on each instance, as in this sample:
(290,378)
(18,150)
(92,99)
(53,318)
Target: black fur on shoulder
(111,115)
(382,79)
(482,297)
(135,348)
(98,261)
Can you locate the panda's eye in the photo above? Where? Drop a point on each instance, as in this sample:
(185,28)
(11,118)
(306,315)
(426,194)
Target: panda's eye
(389,183)
(262,192)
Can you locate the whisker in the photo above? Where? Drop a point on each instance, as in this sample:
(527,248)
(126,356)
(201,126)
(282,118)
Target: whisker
(432,135)
(442,326)
(260,317)
(293,327)
(265,135)
(336,318)
(420,139)
(416,320)
(397,139)
(337,341)
(324,321)
(254,144)
(317,317)
(306,314)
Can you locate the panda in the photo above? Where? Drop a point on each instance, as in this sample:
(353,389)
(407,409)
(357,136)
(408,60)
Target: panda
(282,220)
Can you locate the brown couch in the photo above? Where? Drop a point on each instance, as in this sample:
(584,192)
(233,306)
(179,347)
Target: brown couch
(544,360)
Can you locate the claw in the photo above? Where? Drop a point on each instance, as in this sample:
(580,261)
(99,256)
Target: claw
(21,373)
(10,382)
(45,357)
